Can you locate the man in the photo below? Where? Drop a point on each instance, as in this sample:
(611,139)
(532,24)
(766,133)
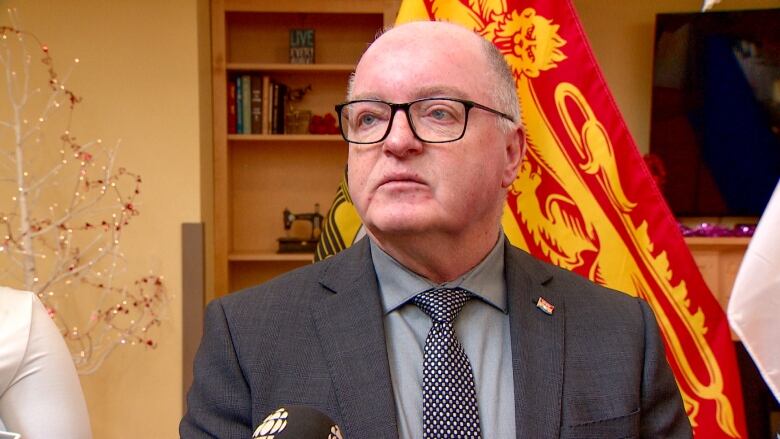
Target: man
(522,349)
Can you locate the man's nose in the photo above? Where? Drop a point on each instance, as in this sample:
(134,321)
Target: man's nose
(401,141)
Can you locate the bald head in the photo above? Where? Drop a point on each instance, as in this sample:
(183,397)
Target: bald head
(425,36)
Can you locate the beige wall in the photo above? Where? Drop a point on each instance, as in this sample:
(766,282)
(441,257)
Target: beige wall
(621,33)
(139,77)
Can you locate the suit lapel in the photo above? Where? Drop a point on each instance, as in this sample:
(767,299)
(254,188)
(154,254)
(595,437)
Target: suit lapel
(350,325)
(537,346)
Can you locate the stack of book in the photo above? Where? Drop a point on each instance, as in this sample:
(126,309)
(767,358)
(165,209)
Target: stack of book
(256,105)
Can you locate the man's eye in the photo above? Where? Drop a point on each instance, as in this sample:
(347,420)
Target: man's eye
(366,119)
(440,114)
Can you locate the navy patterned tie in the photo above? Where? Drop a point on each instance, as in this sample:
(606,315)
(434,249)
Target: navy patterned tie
(449,394)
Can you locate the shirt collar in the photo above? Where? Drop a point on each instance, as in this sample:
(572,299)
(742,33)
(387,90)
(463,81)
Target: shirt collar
(398,284)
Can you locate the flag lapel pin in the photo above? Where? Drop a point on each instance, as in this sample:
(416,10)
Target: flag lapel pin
(545,306)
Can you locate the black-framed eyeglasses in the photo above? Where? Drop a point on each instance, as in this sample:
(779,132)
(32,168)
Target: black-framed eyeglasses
(432,120)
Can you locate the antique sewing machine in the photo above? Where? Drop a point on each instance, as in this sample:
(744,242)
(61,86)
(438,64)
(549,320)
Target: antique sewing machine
(298,244)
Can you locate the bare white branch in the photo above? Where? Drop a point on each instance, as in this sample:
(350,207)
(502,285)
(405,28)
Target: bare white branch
(61,235)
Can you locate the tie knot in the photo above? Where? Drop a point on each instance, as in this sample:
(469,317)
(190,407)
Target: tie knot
(442,305)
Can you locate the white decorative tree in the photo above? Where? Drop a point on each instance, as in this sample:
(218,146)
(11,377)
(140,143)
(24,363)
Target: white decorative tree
(63,207)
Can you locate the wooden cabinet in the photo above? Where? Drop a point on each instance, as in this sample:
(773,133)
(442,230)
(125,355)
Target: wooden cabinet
(257,176)
(718,260)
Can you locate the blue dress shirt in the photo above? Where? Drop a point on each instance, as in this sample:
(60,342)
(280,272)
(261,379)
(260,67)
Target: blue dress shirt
(482,328)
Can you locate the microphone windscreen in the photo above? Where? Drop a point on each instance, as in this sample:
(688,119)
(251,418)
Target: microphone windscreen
(297,422)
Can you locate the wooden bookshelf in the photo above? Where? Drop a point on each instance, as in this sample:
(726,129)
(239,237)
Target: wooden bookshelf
(267,257)
(318,138)
(287,68)
(257,176)
(718,260)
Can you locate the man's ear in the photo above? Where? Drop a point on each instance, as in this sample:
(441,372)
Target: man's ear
(515,150)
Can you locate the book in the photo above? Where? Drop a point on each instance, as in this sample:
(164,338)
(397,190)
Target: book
(257,104)
(274,107)
(231,101)
(246,90)
(266,111)
(239,105)
(281,97)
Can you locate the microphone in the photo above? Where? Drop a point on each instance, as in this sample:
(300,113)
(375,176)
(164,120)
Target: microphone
(297,422)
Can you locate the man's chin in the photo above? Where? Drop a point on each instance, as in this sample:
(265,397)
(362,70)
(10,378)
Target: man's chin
(397,226)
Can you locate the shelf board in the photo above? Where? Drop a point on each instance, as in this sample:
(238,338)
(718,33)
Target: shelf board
(275,67)
(308,6)
(724,241)
(336,138)
(270,257)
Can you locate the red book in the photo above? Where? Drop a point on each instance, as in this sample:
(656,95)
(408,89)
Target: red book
(231,103)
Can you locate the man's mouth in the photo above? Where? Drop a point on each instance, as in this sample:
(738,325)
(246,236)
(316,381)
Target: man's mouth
(401,179)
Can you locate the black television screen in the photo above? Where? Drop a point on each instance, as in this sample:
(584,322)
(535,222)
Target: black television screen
(715,119)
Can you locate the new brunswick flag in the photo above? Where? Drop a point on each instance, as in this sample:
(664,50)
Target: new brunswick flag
(584,200)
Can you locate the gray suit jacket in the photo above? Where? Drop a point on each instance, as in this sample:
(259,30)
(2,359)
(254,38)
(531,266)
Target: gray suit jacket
(595,368)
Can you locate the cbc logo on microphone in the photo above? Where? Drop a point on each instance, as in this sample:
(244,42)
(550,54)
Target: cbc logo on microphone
(335,433)
(296,422)
(272,425)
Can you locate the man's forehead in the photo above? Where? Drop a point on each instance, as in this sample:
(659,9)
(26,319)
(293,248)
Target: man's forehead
(421,30)
(413,92)
(425,39)
(418,67)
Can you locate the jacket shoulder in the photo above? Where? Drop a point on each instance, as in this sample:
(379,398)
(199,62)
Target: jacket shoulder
(296,288)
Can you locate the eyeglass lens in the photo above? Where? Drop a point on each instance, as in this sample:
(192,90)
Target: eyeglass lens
(433,120)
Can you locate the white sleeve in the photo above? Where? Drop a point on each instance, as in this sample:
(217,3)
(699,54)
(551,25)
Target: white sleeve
(42,396)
